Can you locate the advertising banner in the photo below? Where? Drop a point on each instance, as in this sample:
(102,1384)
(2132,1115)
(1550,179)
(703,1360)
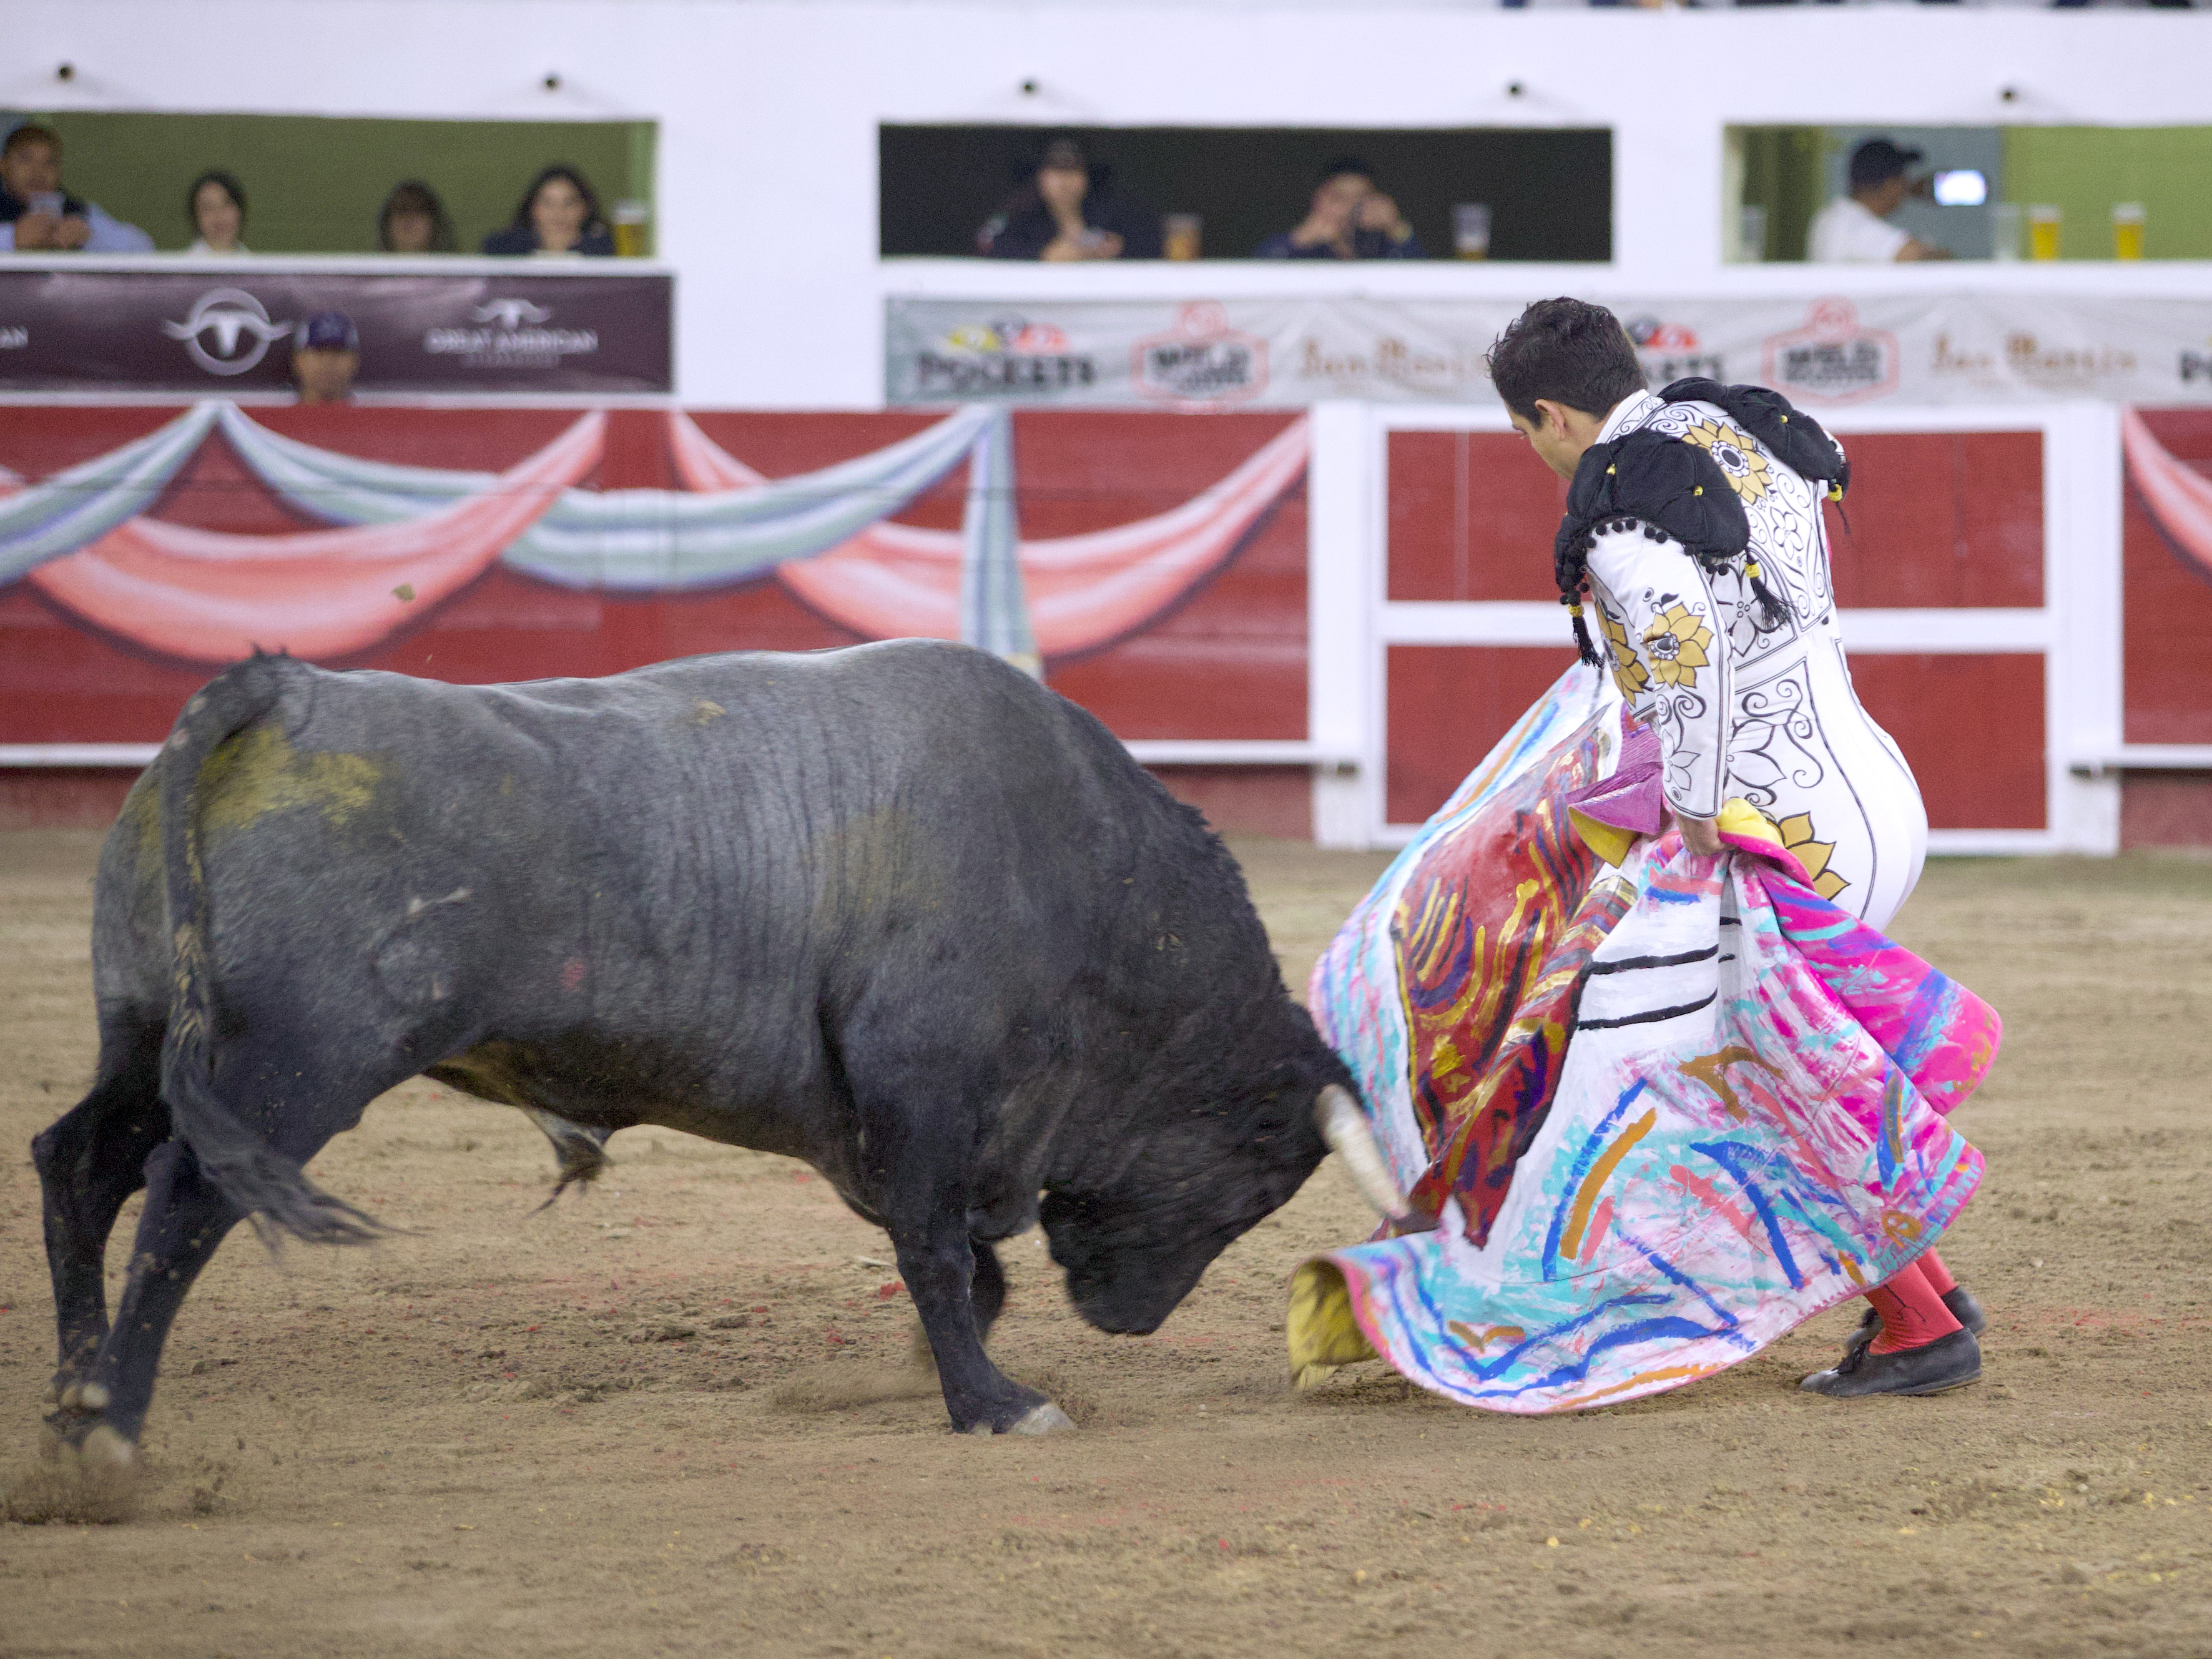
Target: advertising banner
(1823,353)
(199,332)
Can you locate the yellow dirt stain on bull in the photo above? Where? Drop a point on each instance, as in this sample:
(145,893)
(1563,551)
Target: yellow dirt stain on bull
(258,772)
(141,811)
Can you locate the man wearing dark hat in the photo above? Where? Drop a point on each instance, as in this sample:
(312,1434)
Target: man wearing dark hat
(325,352)
(1855,229)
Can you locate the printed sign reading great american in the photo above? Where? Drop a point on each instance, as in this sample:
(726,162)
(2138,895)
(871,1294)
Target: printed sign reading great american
(486,330)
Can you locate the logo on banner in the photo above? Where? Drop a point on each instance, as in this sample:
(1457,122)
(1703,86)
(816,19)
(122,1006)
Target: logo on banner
(510,314)
(1389,363)
(1200,360)
(2195,364)
(1832,359)
(226,331)
(1671,352)
(2028,359)
(512,334)
(1004,356)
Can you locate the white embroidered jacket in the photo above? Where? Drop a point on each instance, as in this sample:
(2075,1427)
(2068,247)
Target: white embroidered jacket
(1743,708)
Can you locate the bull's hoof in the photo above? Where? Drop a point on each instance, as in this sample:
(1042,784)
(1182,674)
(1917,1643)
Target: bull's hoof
(105,1451)
(1044,1417)
(74,1437)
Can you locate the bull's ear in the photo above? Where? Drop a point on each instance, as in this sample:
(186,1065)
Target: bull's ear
(1344,1126)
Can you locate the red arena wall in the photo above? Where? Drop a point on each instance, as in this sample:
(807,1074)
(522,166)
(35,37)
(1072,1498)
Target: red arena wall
(1221,656)
(1934,520)
(2167,664)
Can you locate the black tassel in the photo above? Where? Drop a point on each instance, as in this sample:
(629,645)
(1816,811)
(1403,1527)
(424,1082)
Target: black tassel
(1770,608)
(1583,645)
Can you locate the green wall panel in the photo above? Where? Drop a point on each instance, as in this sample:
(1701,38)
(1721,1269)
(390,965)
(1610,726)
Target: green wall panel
(2086,169)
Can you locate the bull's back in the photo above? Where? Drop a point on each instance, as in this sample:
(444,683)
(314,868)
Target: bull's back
(689,857)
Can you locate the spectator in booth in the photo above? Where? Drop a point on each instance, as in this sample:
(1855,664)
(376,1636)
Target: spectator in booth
(1349,219)
(1855,227)
(215,206)
(414,220)
(37,216)
(1069,211)
(325,352)
(558,214)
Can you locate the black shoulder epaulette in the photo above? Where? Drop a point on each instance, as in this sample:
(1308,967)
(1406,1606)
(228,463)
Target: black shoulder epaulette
(1671,485)
(1797,440)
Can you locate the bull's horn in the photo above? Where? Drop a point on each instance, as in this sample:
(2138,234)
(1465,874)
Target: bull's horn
(1343,1126)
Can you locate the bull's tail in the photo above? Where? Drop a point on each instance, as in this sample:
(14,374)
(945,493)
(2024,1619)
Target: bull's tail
(251,1174)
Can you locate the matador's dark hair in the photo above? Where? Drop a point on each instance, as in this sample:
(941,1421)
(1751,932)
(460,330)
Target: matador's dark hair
(1569,351)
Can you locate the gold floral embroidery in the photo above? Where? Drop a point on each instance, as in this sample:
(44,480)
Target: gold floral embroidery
(1676,642)
(1627,672)
(1796,832)
(1744,467)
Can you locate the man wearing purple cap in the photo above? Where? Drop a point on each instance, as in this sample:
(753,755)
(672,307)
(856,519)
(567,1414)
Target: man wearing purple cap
(325,352)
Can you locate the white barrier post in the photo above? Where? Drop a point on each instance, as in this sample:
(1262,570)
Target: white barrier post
(1339,559)
(2084,502)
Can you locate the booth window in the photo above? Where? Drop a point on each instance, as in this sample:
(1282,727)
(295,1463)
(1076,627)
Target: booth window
(1547,192)
(2095,192)
(317,184)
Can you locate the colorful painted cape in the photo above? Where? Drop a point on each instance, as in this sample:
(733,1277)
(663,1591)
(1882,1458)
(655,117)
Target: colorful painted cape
(1654,1116)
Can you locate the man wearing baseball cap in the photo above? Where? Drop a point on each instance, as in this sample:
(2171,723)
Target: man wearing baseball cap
(1855,229)
(325,352)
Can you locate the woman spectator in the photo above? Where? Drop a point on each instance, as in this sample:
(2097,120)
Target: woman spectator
(413,221)
(1069,211)
(558,214)
(215,205)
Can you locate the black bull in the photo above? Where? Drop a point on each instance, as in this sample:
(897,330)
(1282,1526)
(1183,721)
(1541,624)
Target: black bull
(895,910)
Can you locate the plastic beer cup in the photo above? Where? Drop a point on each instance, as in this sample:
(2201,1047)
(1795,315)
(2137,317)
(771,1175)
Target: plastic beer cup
(2044,220)
(630,220)
(2127,230)
(1180,235)
(2004,230)
(1471,230)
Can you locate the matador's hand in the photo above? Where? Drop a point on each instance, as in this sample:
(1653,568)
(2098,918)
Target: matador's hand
(1700,834)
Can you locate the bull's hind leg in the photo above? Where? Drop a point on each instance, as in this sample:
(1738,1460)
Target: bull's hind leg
(89,1161)
(278,1086)
(185,1217)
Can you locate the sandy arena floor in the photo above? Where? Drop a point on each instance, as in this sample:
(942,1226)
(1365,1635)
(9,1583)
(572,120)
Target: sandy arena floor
(668,1418)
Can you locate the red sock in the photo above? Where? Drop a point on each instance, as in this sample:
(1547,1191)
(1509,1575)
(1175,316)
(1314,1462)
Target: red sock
(1938,1275)
(1912,1312)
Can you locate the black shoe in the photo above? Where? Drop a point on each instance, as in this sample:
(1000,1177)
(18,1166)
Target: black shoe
(1948,1362)
(1959,1299)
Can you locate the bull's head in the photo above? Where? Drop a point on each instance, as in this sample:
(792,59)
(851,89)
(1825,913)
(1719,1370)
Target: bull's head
(1133,1248)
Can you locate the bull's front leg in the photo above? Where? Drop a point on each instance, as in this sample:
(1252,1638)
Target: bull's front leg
(939,1264)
